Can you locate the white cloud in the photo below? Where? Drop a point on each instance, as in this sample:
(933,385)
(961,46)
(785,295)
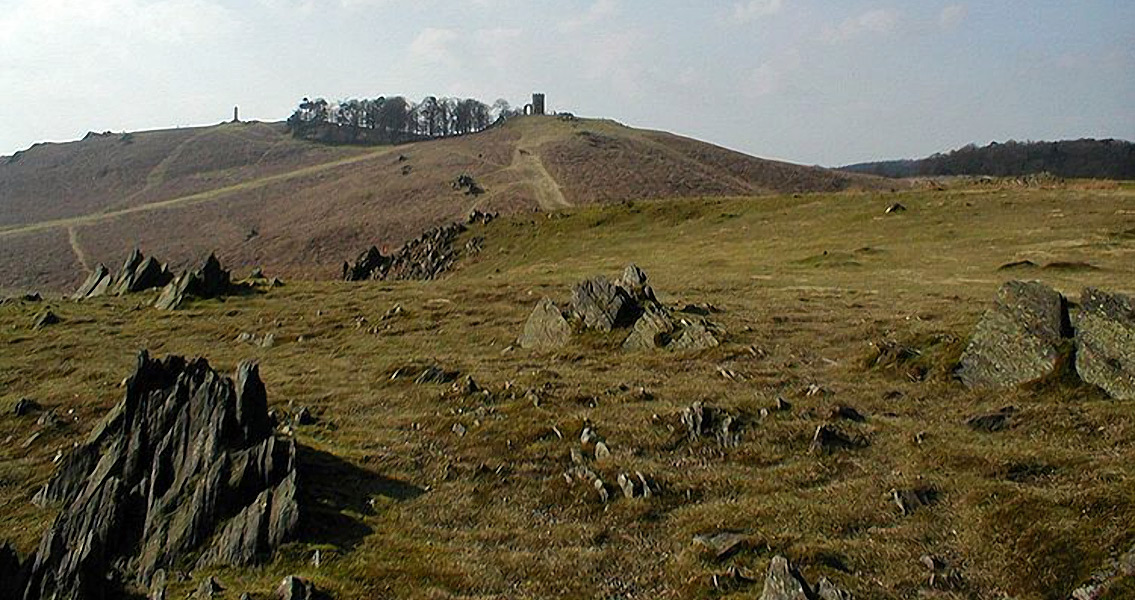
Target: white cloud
(747,12)
(876,22)
(952,16)
(599,11)
(435,45)
(772,75)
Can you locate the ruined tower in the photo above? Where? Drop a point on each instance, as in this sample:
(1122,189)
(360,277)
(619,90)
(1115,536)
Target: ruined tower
(538,104)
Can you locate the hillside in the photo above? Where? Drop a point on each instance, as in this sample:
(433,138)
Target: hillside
(438,491)
(1073,159)
(259,197)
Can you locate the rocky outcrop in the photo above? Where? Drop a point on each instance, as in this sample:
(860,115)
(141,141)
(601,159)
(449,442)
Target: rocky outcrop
(137,274)
(1021,338)
(185,470)
(783,582)
(11,572)
(1105,342)
(210,280)
(598,304)
(426,257)
(546,328)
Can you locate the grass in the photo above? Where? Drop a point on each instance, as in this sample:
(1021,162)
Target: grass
(401,506)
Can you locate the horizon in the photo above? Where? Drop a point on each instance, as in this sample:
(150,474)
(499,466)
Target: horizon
(811,82)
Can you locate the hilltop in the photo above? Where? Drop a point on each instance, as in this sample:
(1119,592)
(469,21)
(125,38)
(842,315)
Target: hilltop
(259,197)
(831,313)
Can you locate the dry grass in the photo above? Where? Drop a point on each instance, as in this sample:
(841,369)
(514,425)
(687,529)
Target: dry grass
(404,507)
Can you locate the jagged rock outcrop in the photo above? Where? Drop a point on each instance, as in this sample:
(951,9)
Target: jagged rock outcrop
(546,328)
(783,582)
(1021,339)
(1105,342)
(210,280)
(138,273)
(598,304)
(11,572)
(426,257)
(186,470)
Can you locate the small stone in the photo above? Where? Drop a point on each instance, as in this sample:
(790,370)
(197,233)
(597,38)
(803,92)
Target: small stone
(646,491)
(459,429)
(783,582)
(45,319)
(244,337)
(782,404)
(911,499)
(576,456)
(294,588)
(602,489)
(895,208)
(991,422)
(846,413)
(304,417)
(268,341)
(627,485)
(26,406)
(828,439)
(209,588)
(722,544)
(602,452)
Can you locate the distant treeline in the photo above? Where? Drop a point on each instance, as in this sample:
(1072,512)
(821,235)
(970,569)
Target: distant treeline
(1087,158)
(393,120)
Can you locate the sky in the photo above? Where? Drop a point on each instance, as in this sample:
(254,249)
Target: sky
(811,81)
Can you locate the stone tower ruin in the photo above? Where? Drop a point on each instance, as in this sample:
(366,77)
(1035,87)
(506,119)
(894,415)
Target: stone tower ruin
(537,106)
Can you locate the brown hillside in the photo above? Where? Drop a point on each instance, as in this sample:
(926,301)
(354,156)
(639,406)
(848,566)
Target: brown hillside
(258,197)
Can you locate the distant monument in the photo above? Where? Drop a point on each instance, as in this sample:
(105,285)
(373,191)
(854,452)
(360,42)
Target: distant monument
(537,106)
(236,114)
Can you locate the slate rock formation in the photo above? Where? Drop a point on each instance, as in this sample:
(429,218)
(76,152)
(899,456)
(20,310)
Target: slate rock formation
(598,304)
(546,328)
(1105,342)
(138,273)
(210,280)
(185,470)
(783,582)
(1021,339)
(424,258)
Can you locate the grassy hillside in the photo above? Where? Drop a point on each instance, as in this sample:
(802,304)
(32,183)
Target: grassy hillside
(401,506)
(256,196)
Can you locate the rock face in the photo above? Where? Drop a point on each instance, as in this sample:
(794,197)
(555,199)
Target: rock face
(597,304)
(426,257)
(1105,342)
(185,469)
(1021,339)
(210,280)
(546,328)
(784,583)
(138,273)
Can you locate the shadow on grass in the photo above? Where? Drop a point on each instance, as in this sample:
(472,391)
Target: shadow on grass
(336,495)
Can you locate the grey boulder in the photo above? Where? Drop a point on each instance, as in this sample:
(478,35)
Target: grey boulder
(1105,342)
(546,328)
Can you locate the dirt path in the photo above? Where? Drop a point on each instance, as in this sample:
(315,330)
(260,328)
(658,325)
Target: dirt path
(199,198)
(548,193)
(73,238)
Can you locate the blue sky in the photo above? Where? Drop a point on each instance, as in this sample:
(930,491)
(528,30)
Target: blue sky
(812,81)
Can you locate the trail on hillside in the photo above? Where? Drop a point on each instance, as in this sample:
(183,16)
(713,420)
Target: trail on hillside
(548,193)
(73,238)
(202,197)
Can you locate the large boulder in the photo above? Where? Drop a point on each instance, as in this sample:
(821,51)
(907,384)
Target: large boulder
(546,328)
(1020,339)
(601,305)
(210,280)
(1105,342)
(652,330)
(96,284)
(185,470)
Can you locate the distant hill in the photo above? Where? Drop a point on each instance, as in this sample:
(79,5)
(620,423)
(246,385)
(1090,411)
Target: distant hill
(1087,158)
(258,196)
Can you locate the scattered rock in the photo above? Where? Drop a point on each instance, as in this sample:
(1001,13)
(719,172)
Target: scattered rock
(208,588)
(845,413)
(634,282)
(295,588)
(546,328)
(138,273)
(828,439)
(652,330)
(1021,339)
(459,429)
(784,583)
(723,544)
(304,417)
(826,590)
(600,304)
(49,419)
(468,184)
(436,375)
(942,574)
(895,208)
(1114,572)
(709,421)
(32,297)
(185,468)
(25,406)
(424,258)
(911,499)
(210,280)
(1017,264)
(1105,342)
(602,452)
(991,422)
(45,319)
